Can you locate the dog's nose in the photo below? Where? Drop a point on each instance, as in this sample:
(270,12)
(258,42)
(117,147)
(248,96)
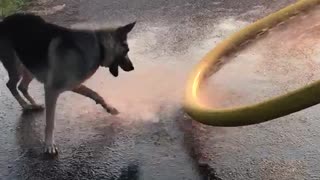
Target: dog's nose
(130,68)
(126,65)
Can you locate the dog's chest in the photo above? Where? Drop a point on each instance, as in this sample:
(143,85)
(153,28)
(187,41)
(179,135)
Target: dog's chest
(90,73)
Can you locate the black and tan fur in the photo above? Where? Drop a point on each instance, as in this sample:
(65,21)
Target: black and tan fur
(60,58)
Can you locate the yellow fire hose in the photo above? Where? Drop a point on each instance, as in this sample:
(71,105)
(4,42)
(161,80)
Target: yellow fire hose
(252,114)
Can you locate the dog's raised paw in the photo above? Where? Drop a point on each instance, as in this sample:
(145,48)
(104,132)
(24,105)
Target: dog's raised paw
(51,150)
(113,111)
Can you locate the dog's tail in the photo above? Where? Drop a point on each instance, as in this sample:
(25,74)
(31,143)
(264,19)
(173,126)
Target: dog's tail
(3,41)
(1,27)
(2,30)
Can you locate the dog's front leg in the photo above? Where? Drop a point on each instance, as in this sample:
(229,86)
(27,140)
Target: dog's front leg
(51,97)
(85,91)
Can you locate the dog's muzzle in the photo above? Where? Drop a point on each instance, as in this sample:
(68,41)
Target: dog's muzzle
(124,63)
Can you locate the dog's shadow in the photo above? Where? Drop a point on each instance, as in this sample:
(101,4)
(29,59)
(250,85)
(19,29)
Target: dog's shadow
(28,136)
(33,163)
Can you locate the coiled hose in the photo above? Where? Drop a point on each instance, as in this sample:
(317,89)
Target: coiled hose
(252,114)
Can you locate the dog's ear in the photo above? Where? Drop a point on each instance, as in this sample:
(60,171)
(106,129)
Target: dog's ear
(113,68)
(124,30)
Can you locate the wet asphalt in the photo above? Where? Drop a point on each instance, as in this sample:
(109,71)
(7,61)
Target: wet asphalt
(153,138)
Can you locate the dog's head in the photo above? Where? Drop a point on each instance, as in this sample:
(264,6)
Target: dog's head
(115,46)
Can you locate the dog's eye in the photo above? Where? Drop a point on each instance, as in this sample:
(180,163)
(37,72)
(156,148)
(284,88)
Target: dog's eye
(125,45)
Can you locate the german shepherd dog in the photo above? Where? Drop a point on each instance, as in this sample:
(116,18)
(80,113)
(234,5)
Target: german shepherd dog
(61,59)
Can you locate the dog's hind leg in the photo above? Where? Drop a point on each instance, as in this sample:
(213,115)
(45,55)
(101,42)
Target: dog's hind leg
(14,76)
(12,86)
(87,92)
(13,66)
(27,77)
